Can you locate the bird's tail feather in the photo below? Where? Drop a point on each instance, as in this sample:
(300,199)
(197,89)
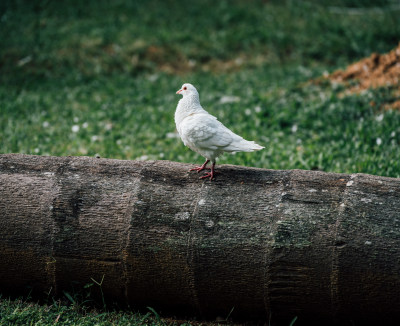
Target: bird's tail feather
(244,146)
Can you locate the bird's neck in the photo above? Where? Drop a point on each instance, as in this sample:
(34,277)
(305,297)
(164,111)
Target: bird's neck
(187,105)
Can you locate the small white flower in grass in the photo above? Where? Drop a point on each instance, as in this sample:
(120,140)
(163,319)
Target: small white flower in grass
(152,78)
(119,142)
(45,124)
(247,112)
(94,138)
(85,125)
(97,98)
(172,135)
(229,99)
(108,126)
(25,60)
(257,109)
(76,119)
(36,150)
(393,134)
(294,128)
(239,61)
(378,141)
(161,155)
(75,128)
(379,118)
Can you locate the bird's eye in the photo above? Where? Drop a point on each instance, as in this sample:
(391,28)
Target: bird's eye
(185,88)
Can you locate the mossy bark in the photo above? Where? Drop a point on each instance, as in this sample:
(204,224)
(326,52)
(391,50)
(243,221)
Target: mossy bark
(269,244)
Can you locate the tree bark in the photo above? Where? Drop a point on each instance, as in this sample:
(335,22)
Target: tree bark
(267,244)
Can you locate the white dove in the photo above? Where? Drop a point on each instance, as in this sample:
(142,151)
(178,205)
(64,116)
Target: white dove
(203,133)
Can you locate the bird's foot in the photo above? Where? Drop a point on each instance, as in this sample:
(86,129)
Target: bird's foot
(199,168)
(208,174)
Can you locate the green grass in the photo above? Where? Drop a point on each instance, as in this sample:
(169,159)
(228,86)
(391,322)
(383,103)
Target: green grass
(88,77)
(21,312)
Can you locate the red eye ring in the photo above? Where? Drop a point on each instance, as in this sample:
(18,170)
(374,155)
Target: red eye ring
(185,88)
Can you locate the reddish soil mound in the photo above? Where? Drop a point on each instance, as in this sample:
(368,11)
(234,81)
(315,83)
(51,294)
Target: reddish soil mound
(378,70)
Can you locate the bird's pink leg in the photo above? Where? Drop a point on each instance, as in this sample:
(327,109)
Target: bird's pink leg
(200,168)
(209,174)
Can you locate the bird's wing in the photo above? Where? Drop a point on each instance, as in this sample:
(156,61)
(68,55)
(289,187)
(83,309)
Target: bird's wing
(205,131)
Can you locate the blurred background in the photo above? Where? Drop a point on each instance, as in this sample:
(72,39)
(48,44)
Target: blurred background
(99,77)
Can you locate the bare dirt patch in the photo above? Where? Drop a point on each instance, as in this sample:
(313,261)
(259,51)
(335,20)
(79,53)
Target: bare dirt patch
(378,70)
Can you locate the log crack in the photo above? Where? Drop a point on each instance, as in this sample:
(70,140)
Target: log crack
(268,254)
(130,209)
(338,245)
(190,251)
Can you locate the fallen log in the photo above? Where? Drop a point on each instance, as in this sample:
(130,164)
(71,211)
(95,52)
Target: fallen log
(267,244)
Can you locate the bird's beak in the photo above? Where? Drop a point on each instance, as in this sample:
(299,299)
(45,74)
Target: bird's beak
(178,92)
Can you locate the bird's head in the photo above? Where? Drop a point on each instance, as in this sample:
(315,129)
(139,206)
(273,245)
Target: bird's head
(187,89)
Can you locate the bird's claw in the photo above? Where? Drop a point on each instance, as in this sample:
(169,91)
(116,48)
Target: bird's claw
(208,174)
(199,168)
